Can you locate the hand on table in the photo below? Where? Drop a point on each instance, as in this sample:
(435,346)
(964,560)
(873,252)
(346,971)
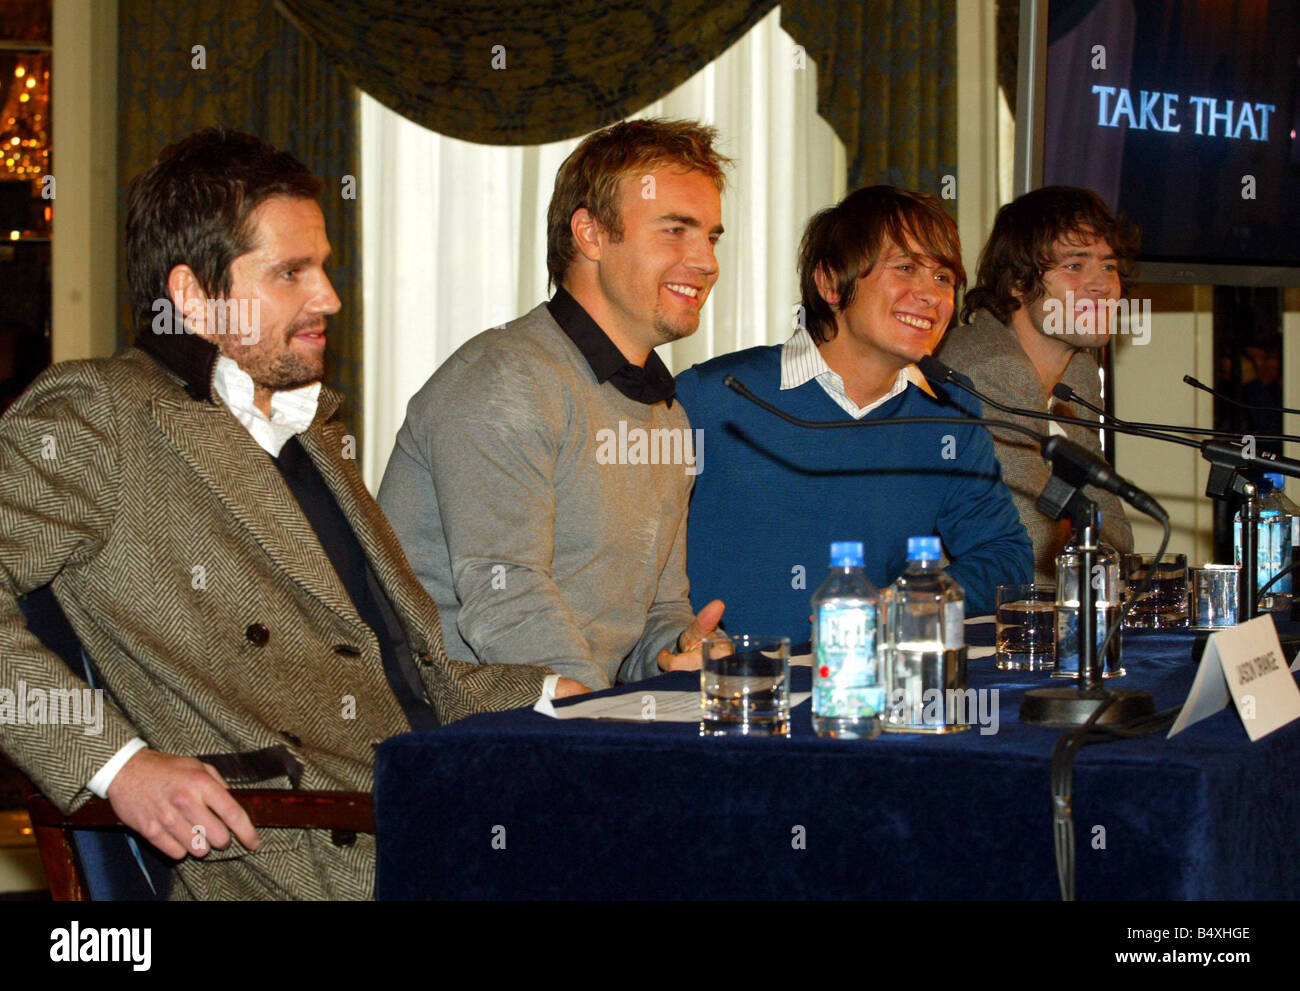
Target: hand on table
(690,658)
(179,804)
(567,686)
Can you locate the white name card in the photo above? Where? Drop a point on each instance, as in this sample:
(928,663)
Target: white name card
(1245,663)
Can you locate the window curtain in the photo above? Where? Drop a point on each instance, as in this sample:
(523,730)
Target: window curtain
(186,64)
(887,78)
(455,232)
(518,72)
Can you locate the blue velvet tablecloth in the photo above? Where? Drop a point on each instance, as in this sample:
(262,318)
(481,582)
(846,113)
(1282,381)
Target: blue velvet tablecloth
(519,805)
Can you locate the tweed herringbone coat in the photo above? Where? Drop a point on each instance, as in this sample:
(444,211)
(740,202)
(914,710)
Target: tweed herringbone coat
(207,603)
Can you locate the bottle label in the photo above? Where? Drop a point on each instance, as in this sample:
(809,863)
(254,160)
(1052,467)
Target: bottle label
(1274,536)
(846,670)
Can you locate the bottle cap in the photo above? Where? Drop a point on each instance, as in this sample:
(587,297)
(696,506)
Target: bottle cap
(846,554)
(923,548)
(1279,483)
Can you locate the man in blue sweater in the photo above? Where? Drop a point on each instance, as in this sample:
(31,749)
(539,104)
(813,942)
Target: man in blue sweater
(878,275)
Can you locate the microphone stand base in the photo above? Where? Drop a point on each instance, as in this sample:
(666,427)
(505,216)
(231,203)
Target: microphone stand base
(1065,707)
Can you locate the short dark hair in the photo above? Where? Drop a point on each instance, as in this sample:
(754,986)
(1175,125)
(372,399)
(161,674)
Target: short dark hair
(191,207)
(1019,250)
(591,175)
(845,241)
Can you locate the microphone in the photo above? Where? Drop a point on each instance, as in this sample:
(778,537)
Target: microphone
(1195,384)
(1066,394)
(1096,472)
(935,370)
(1076,462)
(1241,455)
(737,386)
(1081,462)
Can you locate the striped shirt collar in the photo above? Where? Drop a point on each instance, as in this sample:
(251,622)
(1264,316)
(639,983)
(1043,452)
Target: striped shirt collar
(801,361)
(292,410)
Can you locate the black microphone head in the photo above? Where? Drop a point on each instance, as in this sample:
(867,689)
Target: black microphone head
(1063,392)
(738,387)
(934,369)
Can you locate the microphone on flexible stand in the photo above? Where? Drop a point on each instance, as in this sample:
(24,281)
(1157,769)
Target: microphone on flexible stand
(1088,701)
(1097,472)
(1195,384)
(1234,467)
(936,371)
(1064,393)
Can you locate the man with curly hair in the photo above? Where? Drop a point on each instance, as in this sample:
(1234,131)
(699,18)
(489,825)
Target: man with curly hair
(1041,309)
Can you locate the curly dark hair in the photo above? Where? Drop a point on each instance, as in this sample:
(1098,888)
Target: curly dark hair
(1019,250)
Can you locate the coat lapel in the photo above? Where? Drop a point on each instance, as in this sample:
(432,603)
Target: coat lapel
(323,442)
(249,485)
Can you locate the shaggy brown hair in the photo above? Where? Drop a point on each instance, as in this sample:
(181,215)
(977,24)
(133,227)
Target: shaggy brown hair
(845,241)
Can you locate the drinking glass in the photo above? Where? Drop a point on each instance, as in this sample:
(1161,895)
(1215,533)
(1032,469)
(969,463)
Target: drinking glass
(745,685)
(1164,605)
(1026,634)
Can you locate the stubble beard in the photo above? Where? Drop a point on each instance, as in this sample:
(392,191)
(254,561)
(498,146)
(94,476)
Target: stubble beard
(1085,342)
(276,370)
(668,331)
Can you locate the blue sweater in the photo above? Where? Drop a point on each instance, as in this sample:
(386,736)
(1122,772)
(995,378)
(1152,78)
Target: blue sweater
(771,496)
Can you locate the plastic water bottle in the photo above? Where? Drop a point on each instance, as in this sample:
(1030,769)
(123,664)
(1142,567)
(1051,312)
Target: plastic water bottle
(925,655)
(1277,521)
(848,692)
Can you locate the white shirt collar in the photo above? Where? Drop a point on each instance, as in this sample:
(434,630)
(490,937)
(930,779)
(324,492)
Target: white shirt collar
(292,410)
(801,361)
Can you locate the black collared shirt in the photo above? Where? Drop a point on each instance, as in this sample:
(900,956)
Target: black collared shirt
(648,385)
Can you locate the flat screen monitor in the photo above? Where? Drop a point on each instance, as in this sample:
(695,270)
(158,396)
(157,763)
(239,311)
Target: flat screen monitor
(1181,114)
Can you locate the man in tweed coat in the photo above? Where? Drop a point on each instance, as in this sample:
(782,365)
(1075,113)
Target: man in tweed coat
(1036,316)
(198,514)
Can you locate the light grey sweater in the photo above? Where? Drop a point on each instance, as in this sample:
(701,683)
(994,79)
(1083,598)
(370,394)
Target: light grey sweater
(534,550)
(988,351)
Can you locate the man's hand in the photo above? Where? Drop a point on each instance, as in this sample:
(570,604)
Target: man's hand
(567,686)
(690,658)
(179,804)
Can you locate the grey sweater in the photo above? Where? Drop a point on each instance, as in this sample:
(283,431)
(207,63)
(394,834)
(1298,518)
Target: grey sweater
(990,354)
(506,492)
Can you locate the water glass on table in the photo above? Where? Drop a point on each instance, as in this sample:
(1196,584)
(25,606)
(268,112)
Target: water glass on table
(1026,632)
(1213,594)
(745,685)
(1164,604)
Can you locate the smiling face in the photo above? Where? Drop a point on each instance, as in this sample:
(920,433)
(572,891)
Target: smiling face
(1085,272)
(283,281)
(899,312)
(647,287)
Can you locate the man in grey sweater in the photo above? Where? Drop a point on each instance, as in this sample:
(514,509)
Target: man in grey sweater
(540,482)
(1036,317)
